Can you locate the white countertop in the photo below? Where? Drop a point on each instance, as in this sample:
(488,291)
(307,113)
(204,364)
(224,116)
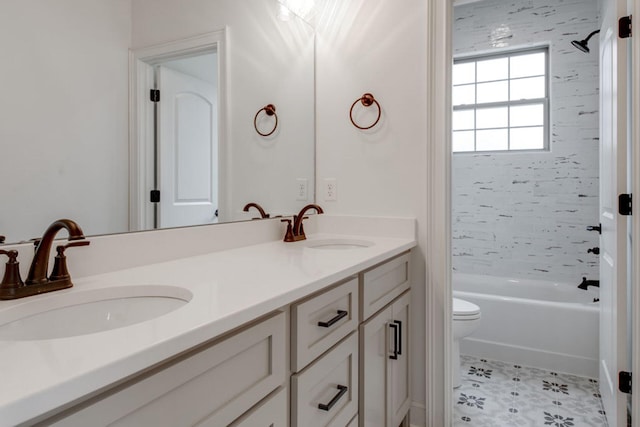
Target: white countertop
(229,288)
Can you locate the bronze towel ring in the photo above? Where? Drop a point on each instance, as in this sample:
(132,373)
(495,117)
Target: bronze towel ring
(367,100)
(270,110)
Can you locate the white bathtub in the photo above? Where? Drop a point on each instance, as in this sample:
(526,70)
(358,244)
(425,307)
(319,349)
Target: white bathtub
(548,325)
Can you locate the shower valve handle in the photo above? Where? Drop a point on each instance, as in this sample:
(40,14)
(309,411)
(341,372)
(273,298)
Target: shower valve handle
(595,251)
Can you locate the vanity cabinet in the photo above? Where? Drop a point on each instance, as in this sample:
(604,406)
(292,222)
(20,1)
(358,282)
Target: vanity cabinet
(370,367)
(338,357)
(211,386)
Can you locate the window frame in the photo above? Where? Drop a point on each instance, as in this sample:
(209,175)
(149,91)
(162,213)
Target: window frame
(545,101)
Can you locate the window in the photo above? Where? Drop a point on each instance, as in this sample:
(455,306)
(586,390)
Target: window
(501,102)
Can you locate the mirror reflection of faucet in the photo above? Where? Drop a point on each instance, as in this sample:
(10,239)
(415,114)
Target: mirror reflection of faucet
(263,214)
(37,282)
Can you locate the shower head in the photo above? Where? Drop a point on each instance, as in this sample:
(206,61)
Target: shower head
(582,44)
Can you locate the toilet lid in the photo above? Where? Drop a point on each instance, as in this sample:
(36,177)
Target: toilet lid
(464,309)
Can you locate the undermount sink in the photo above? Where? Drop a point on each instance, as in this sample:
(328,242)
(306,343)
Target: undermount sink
(339,244)
(87,312)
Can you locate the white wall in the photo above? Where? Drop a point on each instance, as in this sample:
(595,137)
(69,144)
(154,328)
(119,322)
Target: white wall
(380,47)
(270,62)
(63,100)
(525,214)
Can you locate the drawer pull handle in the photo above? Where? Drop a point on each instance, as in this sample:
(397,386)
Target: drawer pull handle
(340,315)
(399,323)
(395,328)
(343,390)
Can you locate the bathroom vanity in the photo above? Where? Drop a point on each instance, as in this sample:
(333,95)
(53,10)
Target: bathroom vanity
(310,333)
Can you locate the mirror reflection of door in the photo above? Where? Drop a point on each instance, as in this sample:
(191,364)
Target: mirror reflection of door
(186,159)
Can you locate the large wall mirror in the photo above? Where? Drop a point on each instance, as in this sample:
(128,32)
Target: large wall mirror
(81,138)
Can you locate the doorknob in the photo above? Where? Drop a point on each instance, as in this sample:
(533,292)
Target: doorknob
(594,251)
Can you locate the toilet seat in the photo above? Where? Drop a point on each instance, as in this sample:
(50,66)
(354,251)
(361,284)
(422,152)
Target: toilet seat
(465,310)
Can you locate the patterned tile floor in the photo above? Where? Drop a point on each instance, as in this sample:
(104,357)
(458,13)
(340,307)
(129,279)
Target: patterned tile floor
(500,394)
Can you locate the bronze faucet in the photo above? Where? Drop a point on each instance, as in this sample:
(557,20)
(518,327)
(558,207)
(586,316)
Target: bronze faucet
(263,214)
(295,233)
(37,281)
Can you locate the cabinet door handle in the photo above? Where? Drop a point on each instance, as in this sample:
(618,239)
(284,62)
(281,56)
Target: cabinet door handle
(331,322)
(395,327)
(327,407)
(399,323)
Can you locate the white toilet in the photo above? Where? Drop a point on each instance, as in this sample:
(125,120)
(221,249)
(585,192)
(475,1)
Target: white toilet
(466,318)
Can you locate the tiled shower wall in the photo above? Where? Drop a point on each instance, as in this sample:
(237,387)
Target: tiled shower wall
(525,214)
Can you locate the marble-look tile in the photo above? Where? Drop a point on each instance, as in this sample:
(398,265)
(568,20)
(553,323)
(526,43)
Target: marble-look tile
(525,214)
(500,394)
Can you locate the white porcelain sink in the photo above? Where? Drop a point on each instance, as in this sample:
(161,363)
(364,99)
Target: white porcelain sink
(339,244)
(86,312)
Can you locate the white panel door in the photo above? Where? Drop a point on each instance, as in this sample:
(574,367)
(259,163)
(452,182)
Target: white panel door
(188,150)
(613,245)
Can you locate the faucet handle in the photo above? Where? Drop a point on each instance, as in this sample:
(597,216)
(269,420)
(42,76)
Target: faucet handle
(288,236)
(11,278)
(60,271)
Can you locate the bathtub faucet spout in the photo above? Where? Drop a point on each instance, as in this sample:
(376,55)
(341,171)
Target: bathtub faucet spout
(586,283)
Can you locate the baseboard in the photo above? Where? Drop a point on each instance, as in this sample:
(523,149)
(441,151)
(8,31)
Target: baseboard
(418,413)
(526,356)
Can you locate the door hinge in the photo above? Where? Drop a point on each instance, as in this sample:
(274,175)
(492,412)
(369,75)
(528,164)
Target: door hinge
(154,95)
(154,196)
(624,382)
(624,204)
(624,27)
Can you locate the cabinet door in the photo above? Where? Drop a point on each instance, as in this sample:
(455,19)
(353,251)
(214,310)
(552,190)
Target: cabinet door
(398,394)
(374,345)
(384,366)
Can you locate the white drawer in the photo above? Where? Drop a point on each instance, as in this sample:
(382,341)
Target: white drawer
(354,422)
(270,413)
(209,387)
(326,392)
(382,284)
(320,322)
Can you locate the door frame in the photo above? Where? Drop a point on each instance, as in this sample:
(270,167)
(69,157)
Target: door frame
(438,294)
(141,118)
(635,219)
(438,342)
